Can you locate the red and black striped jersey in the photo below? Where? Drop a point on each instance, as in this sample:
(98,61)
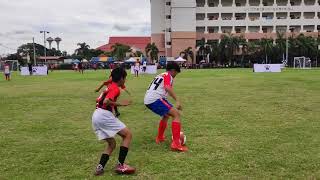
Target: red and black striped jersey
(112,93)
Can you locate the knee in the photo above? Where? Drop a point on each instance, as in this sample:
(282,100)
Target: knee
(112,144)
(129,135)
(165,118)
(176,115)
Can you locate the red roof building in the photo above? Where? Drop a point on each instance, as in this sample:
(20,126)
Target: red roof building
(136,43)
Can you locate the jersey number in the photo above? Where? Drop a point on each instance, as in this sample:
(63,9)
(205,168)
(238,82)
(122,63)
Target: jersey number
(156,82)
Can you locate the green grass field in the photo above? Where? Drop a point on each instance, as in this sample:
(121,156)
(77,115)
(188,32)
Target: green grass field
(239,125)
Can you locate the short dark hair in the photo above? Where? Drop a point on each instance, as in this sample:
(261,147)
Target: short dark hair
(118,73)
(173,66)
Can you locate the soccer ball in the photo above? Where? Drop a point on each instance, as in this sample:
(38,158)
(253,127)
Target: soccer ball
(183,138)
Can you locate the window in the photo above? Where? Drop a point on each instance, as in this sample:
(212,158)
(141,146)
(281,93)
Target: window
(168,3)
(169,43)
(168,16)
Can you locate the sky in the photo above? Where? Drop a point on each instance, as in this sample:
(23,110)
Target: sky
(74,21)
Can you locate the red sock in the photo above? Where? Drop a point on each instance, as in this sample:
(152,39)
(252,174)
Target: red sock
(162,128)
(176,128)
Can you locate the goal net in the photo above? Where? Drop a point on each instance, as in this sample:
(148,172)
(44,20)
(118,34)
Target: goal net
(13,64)
(302,63)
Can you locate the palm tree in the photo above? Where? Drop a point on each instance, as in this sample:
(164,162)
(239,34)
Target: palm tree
(152,51)
(137,54)
(202,49)
(119,51)
(229,45)
(82,50)
(281,44)
(306,45)
(267,46)
(187,53)
(214,51)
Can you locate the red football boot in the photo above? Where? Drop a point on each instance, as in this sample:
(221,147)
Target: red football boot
(160,140)
(179,147)
(124,169)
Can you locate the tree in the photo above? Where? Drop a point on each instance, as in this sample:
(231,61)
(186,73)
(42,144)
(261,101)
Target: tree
(138,54)
(187,53)
(119,51)
(302,46)
(201,45)
(281,45)
(14,56)
(267,46)
(83,51)
(64,53)
(54,52)
(152,51)
(229,45)
(214,50)
(27,49)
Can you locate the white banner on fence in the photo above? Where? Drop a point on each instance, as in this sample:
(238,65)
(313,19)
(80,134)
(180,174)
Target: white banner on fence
(25,71)
(36,70)
(40,70)
(152,69)
(267,67)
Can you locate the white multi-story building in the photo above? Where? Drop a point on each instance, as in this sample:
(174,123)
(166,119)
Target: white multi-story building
(178,24)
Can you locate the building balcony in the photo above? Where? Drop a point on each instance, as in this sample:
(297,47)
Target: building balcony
(229,21)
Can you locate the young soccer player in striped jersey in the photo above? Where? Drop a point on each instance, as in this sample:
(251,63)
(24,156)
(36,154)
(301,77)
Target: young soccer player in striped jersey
(156,100)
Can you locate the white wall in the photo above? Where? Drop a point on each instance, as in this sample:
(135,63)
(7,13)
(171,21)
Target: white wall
(183,14)
(157,16)
(183,3)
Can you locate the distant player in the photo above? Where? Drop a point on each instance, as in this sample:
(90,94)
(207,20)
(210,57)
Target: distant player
(80,67)
(156,100)
(107,83)
(106,125)
(136,68)
(7,71)
(144,66)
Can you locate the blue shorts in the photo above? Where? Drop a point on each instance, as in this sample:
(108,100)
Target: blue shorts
(160,107)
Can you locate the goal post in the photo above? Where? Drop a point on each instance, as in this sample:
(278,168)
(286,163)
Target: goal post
(13,64)
(302,63)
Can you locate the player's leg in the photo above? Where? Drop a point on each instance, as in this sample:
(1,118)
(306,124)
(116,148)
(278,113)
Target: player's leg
(123,168)
(161,129)
(111,144)
(9,77)
(102,121)
(162,108)
(117,113)
(176,129)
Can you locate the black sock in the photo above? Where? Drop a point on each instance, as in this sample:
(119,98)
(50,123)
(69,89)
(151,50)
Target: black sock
(116,110)
(123,154)
(104,159)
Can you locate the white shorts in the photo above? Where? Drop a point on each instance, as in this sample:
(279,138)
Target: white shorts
(105,124)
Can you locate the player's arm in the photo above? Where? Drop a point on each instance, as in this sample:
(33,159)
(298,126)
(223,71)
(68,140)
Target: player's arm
(168,87)
(113,103)
(171,93)
(99,88)
(127,92)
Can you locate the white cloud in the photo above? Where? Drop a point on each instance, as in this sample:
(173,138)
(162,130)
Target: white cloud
(73,20)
